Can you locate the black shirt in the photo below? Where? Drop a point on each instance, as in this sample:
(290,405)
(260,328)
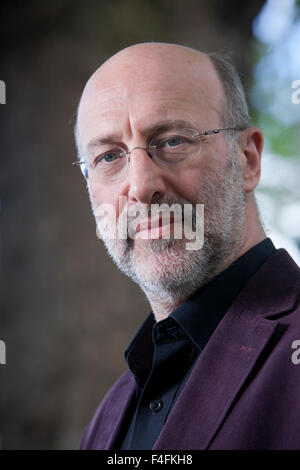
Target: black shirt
(162,354)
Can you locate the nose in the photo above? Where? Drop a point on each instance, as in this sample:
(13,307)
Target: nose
(145,179)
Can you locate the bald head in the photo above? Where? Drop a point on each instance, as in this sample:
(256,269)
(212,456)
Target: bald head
(158,68)
(209,77)
(150,60)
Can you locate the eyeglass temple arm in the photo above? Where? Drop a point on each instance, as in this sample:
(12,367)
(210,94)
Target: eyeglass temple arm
(216,131)
(78,163)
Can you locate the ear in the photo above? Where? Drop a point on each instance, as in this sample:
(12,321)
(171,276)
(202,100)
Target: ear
(251,145)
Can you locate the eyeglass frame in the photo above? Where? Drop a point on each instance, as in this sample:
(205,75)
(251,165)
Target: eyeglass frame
(148,149)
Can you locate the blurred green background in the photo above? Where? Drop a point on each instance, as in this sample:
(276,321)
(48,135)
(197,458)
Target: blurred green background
(67,313)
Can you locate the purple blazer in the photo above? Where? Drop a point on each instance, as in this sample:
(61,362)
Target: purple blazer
(244,390)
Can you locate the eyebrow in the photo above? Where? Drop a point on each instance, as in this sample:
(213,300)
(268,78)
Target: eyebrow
(160,126)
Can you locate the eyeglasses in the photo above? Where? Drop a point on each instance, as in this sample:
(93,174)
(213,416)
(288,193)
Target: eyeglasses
(169,149)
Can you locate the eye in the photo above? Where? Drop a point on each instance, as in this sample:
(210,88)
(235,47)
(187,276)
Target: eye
(173,141)
(108,157)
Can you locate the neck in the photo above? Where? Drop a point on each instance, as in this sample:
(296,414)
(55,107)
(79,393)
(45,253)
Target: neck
(162,308)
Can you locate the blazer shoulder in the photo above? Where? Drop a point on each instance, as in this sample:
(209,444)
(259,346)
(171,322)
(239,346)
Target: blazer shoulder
(275,288)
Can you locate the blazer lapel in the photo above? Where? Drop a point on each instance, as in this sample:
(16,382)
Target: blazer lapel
(231,354)
(117,409)
(215,381)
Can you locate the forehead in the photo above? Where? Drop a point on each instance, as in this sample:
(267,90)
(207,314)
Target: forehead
(127,100)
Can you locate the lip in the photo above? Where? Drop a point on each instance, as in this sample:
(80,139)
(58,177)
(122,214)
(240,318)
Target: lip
(153,233)
(147,230)
(155,222)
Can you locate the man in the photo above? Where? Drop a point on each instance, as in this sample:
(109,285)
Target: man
(211,366)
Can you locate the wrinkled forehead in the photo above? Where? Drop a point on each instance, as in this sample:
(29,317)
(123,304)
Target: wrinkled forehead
(142,89)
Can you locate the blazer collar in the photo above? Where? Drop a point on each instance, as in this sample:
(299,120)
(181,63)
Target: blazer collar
(274,288)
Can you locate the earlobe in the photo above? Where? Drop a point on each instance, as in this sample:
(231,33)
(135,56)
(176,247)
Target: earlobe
(252,150)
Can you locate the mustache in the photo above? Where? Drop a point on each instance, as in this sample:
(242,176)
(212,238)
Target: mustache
(160,211)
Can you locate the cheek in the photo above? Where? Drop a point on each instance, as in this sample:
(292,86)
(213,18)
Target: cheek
(99,196)
(106,202)
(94,198)
(190,181)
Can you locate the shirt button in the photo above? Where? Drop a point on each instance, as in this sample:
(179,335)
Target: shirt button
(155,406)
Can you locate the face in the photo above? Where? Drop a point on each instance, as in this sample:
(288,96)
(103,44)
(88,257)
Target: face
(128,100)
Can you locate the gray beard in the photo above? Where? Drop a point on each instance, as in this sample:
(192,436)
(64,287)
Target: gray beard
(163,268)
